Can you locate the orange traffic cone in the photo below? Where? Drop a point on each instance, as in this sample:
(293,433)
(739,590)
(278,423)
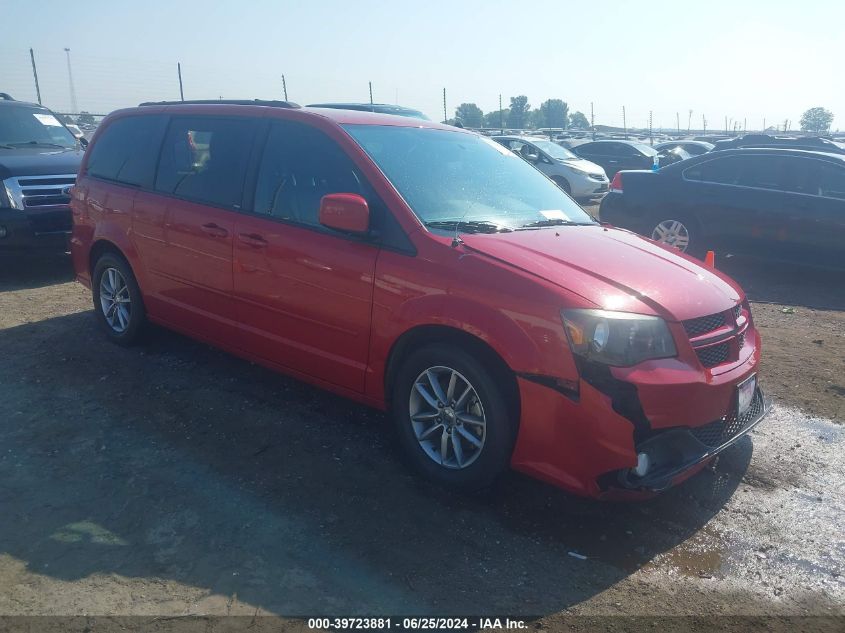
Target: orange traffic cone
(710,259)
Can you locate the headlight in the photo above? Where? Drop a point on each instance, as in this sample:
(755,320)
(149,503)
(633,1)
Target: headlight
(617,338)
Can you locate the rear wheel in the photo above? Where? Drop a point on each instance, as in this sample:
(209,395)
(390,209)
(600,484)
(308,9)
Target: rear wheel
(678,232)
(452,417)
(117,299)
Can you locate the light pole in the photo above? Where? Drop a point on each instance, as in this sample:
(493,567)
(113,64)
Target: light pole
(74,108)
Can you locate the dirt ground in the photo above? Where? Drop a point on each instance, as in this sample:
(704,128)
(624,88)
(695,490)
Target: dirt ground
(172,479)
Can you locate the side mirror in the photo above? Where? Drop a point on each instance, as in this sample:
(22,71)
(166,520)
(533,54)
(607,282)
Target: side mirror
(347,212)
(83,141)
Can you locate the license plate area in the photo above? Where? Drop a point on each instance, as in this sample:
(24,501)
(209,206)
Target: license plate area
(745,394)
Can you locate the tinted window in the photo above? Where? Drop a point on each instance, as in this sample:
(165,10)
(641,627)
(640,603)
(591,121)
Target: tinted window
(831,181)
(127,150)
(781,173)
(299,166)
(24,125)
(724,171)
(205,159)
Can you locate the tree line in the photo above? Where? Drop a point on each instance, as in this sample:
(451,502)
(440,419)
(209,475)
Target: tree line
(551,113)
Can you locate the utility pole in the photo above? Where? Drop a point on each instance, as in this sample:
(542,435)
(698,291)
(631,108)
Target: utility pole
(285,88)
(371,93)
(726,125)
(744,124)
(624,123)
(650,137)
(73,106)
(501,115)
(445,116)
(678,122)
(593,120)
(35,75)
(179,71)
(689,122)
(704,123)
(764,124)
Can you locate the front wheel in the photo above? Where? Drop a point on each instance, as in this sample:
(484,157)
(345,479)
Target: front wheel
(117,299)
(452,417)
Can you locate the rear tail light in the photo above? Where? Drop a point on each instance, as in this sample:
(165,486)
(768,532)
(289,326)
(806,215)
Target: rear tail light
(616,183)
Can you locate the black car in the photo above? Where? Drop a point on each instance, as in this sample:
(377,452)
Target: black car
(693,148)
(615,155)
(813,143)
(39,158)
(779,203)
(381,108)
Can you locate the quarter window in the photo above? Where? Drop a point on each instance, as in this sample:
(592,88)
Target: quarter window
(723,171)
(831,181)
(205,159)
(127,150)
(300,165)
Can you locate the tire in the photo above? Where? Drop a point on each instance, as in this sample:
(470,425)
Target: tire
(466,466)
(673,229)
(121,320)
(563,183)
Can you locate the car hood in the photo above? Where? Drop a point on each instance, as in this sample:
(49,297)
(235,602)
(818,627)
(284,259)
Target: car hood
(39,161)
(614,269)
(584,165)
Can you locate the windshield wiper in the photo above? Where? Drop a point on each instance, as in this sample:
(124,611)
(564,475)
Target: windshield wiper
(468,226)
(4,146)
(44,143)
(553,222)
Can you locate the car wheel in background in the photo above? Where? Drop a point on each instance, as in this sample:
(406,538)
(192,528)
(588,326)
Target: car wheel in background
(453,418)
(563,183)
(117,299)
(678,232)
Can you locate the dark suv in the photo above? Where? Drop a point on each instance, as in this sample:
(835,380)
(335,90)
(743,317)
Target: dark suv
(39,158)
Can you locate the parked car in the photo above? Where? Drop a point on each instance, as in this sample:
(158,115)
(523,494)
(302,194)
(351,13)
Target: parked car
(786,204)
(613,156)
(39,158)
(812,143)
(578,177)
(671,155)
(381,108)
(693,148)
(424,270)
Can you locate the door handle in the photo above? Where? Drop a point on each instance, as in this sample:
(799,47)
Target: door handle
(252,239)
(214,230)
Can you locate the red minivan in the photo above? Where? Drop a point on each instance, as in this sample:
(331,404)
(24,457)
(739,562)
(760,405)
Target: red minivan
(425,270)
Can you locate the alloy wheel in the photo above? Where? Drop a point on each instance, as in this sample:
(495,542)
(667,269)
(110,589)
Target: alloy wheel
(672,233)
(114,300)
(447,417)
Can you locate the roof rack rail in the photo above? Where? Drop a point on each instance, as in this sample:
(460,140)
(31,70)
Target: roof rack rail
(5,96)
(261,102)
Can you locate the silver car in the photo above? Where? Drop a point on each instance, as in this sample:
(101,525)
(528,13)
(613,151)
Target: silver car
(578,177)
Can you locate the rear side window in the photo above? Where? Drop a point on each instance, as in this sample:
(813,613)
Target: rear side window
(205,159)
(779,173)
(831,181)
(127,150)
(299,166)
(723,171)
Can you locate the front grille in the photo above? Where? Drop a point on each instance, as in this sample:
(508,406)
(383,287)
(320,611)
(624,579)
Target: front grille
(713,355)
(39,192)
(702,325)
(737,311)
(717,433)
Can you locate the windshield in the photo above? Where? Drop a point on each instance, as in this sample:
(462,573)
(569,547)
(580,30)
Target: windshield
(554,150)
(458,177)
(21,126)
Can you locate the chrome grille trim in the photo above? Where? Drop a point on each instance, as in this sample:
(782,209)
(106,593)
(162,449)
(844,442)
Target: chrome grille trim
(38,192)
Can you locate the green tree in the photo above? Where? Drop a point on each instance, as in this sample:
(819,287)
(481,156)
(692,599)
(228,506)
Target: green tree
(536,119)
(816,120)
(85,118)
(497,118)
(555,113)
(470,115)
(579,121)
(518,116)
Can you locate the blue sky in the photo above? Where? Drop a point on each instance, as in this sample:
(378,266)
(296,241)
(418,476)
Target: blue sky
(745,60)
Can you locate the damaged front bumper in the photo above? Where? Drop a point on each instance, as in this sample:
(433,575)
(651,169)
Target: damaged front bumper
(667,455)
